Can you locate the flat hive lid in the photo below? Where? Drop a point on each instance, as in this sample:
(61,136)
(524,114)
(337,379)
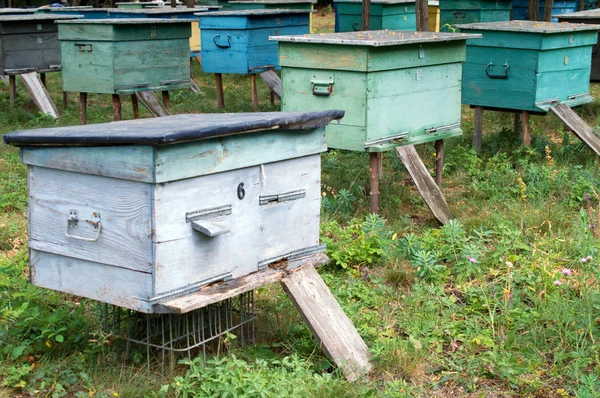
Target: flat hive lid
(170,129)
(8,11)
(38,17)
(125,21)
(252,13)
(376,38)
(273,1)
(377,1)
(529,27)
(589,14)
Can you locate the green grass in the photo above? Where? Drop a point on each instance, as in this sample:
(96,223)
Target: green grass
(477,308)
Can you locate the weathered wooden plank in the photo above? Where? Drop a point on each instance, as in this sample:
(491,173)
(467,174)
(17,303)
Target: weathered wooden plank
(4,79)
(328,322)
(427,187)
(123,237)
(152,103)
(272,81)
(574,123)
(221,291)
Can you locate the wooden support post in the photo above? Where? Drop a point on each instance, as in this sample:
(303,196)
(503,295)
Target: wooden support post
(43,78)
(220,96)
(65,99)
(82,108)
(116,101)
(327,321)
(366,15)
(254,92)
(516,122)
(422,12)
(135,106)
(12,90)
(478,128)
(525,134)
(439,162)
(534,7)
(380,166)
(548,4)
(374,179)
(430,192)
(166,100)
(581,5)
(272,97)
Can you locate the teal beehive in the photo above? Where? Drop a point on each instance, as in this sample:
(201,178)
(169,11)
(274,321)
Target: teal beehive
(589,17)
(528,66)
(385,14)
(454,12)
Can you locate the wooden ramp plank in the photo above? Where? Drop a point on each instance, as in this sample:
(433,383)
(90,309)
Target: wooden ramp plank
(272,81)
(195,89)
(431,193)
(327,321)
(152,103)
(577,126)
(224,290)
(40,95)
(4,78)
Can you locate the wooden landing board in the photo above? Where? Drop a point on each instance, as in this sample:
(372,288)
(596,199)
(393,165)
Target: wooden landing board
(152,103)
(195,89)
(4,78)
(577,126)
(431,193)
(39,94)
(222,291)
(272,81)
(327,321)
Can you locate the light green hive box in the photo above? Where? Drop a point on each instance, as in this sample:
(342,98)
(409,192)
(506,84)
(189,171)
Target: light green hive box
(121,56)
(397,87)
(528,66)
(384,14)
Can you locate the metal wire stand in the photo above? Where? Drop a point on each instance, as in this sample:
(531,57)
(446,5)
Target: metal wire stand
(174,336)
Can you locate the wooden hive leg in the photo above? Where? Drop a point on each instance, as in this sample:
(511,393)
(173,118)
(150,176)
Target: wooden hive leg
(327,321)
(254,92)
(439,162)
(517,122)
(219,86)
(166,100)
(12,90)
(534,10)
(272,97)
(525,134)
(374,158)
(65,99)
(478,128)
(116,101)
(135,106)
(82,108)
(43,79)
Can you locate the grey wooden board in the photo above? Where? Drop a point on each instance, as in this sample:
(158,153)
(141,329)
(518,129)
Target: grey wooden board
(431,193)
(126,21)
(172,129)
(195,89)
(528,26)
(577,126)
(37,17)
(39,94)
(283,2)
(184,256)
(113,285)
(125,213)
(4,79)
(218,292)
(376,38)
(377,1)
(152,103)
(253,13)
(328,322)
(272,81)
(588,14)
(213,226)
(14,11)
(175,162)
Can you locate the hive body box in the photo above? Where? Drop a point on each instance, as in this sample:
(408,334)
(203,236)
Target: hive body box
(385,14)
(238,41)
(528,66)
(396,87)
(472,11)
(29,43)
(521,9)
(275,4)
(167,205)
(588,17)
(120,56)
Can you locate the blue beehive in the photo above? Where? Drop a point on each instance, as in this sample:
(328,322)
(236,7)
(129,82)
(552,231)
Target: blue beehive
(238,41)
(521,9)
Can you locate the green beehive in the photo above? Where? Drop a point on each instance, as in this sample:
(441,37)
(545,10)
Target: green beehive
(121,56)
(396,87)
(589,17)
(385,14)
(473,11)
(528,66)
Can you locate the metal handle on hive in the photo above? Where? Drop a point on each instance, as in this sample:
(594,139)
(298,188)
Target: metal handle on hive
(504,76)
(222,45)
(356,26)
(73,221)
